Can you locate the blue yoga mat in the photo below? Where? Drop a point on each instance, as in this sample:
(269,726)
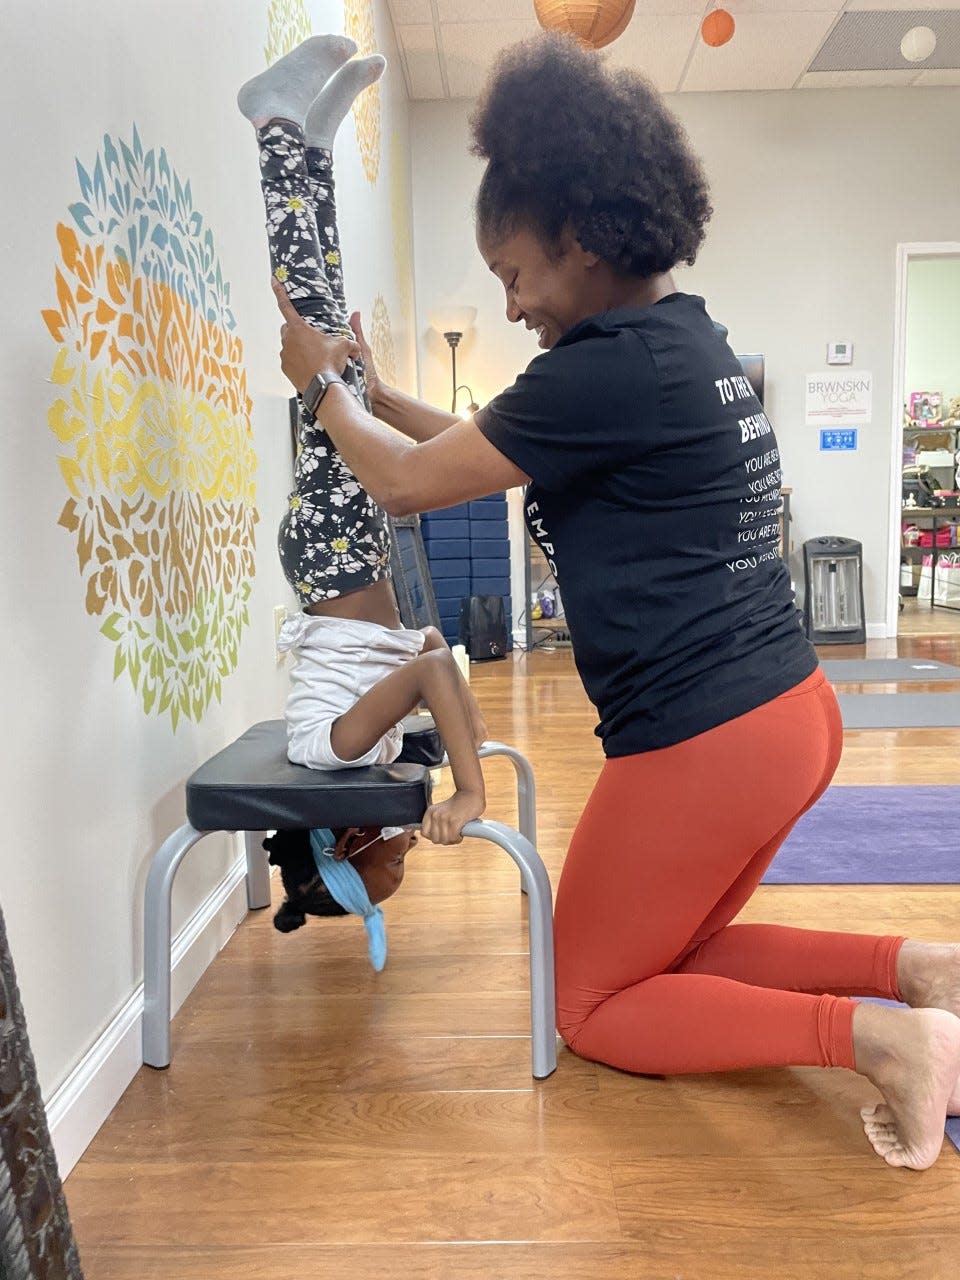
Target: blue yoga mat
(874,835)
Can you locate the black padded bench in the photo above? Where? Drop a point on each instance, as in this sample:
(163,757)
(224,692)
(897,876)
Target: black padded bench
(252,787)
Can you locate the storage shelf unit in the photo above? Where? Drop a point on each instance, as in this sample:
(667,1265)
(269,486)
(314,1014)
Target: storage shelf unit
(935,518)
(540,632)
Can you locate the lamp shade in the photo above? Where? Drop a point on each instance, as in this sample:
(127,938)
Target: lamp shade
(453,319)
(595,23)
(717,28)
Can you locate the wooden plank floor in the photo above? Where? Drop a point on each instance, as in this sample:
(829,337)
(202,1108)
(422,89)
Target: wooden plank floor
(319,1119)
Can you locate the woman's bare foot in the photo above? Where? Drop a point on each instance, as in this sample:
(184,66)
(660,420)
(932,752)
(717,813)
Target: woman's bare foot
(913,1058)
(928,977)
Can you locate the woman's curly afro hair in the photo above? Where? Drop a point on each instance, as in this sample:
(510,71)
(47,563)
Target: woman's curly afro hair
(571,144)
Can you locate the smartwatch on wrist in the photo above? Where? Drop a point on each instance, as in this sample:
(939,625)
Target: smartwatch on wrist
(316,389)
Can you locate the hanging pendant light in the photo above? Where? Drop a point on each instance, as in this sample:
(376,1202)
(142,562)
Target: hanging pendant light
(717,28)
(594,23)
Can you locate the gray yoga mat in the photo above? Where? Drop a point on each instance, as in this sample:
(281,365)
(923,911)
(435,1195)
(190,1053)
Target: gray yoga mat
(875,669)
(900,710)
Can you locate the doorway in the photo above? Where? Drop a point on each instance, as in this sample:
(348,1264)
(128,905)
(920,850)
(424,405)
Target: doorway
(925,434)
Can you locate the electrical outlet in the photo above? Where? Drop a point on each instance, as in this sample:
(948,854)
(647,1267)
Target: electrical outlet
(279,617)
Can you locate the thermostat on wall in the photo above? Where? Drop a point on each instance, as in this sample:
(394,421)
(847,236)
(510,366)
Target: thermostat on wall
(839,352)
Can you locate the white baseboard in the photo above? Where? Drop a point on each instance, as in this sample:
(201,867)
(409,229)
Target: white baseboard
(94,1087)
(877,631)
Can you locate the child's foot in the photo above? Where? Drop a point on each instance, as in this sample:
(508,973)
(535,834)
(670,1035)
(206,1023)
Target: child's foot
(928,976)
(913,1058)
(285,90)
(337,97)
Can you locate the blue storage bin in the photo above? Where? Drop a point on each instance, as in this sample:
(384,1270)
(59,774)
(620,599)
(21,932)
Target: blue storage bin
(459,512)
(443,529)
(499,567)
(448,549)
(450,590)
(490,587)
(440,569)
(488,548)
(488,509)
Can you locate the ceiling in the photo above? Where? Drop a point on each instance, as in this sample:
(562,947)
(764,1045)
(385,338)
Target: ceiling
(448,46)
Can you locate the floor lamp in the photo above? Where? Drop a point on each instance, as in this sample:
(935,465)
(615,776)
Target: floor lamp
(452,323)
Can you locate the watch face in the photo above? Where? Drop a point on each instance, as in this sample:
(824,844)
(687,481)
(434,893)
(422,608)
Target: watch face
(314,392)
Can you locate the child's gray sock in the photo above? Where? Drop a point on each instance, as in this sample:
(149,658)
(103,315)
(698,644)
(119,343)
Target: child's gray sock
(337,96)
(285,90)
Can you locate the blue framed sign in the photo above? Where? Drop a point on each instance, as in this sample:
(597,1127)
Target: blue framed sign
(838,439)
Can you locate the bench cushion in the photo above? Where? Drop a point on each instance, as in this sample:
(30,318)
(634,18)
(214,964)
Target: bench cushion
(252,786)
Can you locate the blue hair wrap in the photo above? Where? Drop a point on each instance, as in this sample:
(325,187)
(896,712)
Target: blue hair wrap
(346,887)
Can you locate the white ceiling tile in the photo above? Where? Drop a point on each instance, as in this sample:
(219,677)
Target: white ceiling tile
(406,12)
(417,39)
(486,11)
(665,7)
(470,48)
(857,79)
(426,78)
(768,51)
(895,5)
(658,45)
(929,79)
(737,7)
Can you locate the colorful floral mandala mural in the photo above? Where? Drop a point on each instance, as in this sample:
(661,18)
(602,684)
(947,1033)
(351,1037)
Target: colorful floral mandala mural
(358,25)
(153,420)
(381,342)
(402,230)
(287,24)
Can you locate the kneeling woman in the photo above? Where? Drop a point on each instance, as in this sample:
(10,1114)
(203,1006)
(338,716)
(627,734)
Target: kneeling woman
(652,481)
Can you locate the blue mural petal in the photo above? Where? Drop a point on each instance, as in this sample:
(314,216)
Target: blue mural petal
(86,185)
(81,216)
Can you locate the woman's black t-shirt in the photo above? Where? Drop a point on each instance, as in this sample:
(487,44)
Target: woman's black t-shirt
(654,496)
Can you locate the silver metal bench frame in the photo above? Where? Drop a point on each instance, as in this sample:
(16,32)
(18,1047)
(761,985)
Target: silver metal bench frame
(520,845)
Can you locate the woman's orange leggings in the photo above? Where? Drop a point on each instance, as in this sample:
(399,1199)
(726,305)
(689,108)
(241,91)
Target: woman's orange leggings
(651,975)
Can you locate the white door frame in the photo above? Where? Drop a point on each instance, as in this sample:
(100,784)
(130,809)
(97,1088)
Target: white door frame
(937,248)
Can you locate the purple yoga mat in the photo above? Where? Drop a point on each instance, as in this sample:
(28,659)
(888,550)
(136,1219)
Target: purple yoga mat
(874,835)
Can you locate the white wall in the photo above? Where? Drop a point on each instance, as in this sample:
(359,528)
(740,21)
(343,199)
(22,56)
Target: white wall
(93,781)
(932,359)
(811,197)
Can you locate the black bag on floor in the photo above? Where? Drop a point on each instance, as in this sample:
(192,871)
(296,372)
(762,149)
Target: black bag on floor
(483,627)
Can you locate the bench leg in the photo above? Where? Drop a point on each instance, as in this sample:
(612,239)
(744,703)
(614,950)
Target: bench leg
(526,787)
(536,884)
(258,871)
(156,943)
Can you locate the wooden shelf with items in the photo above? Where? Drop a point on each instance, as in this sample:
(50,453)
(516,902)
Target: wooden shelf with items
(930,443)
(540,586)
(940,524)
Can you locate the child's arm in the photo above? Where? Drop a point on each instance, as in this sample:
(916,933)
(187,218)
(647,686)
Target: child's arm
(434,640)
(434,678)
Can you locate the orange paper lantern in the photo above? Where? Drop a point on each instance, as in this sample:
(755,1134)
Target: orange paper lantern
(595,23)
(717,28)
